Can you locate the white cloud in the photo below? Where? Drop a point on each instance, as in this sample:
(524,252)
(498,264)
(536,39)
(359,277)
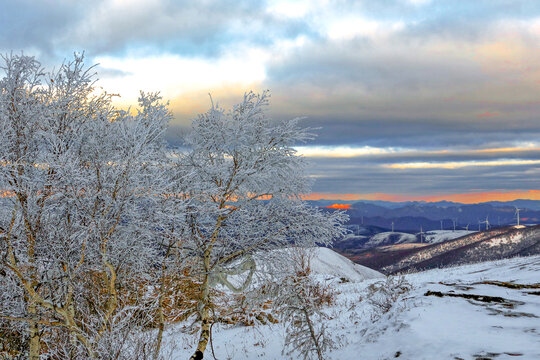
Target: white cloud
(291,9)
(459,164)
(353,26)
(174,75)
(342,151)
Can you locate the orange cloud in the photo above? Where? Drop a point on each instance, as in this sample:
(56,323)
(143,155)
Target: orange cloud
(466,198)
(487,114)
(339,206)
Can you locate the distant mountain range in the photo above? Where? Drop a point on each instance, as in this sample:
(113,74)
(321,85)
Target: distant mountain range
(413,215)
(520,203)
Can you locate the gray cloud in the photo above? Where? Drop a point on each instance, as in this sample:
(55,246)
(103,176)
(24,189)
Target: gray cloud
(423,133)
(349,176)
(433,156)
(37,26)
(409,93)
(198,29)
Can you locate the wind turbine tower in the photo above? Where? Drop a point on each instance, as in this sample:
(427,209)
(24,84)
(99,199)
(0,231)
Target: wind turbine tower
(454,221)
(421,234)
(487,222)
(392,226)
(517,214)
(441,224)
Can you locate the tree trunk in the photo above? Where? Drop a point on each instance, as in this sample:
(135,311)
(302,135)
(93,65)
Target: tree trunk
(312,334)
(161,326)
(33,328)
(204,313)
(205,332)
(161,316)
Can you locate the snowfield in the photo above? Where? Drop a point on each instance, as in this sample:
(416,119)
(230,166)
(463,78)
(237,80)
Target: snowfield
(431,237)
(386,238)
(437,236)
(504,323)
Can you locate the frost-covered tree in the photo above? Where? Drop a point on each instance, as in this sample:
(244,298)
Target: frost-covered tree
(244,181)
(97,219)
(79,178)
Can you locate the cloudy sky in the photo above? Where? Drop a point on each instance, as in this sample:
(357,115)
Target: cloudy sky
(416,99)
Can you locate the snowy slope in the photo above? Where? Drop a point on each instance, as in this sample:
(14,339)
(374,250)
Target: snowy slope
(452,327)
(329,263)
(417,327)
(324,263)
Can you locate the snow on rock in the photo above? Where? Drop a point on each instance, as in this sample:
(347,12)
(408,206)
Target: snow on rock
(328,262)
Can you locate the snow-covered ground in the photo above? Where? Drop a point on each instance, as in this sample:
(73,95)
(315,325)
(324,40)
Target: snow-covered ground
(431,237)
(417,326)
(437,236)
(384,238)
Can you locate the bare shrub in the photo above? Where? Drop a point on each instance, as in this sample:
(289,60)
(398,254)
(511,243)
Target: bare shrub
(299,302)
(383,295)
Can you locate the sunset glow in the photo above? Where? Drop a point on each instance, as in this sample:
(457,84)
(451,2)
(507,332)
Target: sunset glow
(466,198)
(339,206)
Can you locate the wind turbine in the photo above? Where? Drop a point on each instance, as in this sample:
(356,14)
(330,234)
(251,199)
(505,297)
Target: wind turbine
(517,214)
(454,221)
(487,222)
(441,224)
(467,227)
(392,226)
(479,223)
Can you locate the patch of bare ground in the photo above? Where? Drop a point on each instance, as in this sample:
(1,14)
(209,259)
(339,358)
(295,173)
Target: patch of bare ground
(492,355)
(482,298)
(509,285)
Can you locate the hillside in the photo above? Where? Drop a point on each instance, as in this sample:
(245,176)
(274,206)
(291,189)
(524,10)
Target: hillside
(489,245)
(366,238)
(476,246)
(480,311)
